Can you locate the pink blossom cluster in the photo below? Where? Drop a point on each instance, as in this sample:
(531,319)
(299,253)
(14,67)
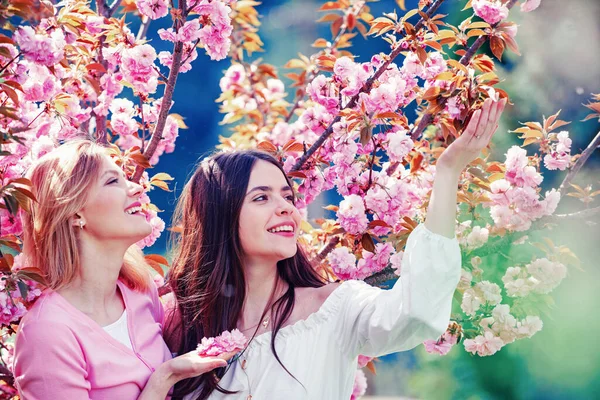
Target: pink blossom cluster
(484,292)
(226,342)
(47,48)
(344,264)
(12,304)
(441,346)
(138,68)
(504,325)
(212,29)
(560,155)
(540,276)
(158,225)
(515,199)
(7,353)
(360,385)
(153,9)
(352,215)
(491,11)
(472,238)
(500,329)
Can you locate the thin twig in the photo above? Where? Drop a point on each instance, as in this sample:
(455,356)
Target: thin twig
(167,98)
(143,28)
(579,163)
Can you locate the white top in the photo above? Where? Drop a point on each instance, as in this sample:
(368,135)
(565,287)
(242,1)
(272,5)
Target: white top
(119,330)
(322,351)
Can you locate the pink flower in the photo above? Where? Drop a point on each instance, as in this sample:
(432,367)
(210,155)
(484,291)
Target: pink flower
(400,144)
(547,274)
(360,385)
(137,65)
(352,215)
(441,346)
(491,11)
(153,9)
(215,36)
(363,361)
(396,262)
(484,345)
(375,262)
(342,262)
(227,342)
(530,5)
(41,49)
(9,224)
(555,160)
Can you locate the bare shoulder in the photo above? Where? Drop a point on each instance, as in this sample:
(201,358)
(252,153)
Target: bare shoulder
(313,298)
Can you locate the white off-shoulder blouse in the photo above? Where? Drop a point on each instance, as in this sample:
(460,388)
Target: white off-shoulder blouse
(322,350)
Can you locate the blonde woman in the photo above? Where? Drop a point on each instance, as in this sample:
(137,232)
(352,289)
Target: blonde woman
(96,331)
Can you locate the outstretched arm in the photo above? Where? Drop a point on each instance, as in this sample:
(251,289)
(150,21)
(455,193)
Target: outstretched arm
(441,214)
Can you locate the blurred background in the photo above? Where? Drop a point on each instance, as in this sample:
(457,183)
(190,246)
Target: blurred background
(558,70)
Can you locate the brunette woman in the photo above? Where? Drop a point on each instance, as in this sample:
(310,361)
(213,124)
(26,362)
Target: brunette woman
(96,332)
(238,265)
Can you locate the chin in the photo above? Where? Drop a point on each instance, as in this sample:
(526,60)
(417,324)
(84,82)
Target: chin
(285,253)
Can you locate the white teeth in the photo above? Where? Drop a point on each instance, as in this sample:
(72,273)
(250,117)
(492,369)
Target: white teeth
(133,210)
(282,228)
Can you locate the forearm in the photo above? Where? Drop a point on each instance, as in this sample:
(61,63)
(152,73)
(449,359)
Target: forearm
(158,386)
(441,213)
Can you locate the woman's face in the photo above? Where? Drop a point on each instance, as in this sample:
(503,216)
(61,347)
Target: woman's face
(269,221)
(113,211)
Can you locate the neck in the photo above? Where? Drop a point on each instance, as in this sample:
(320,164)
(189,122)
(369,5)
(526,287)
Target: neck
(263,287)
(94,290)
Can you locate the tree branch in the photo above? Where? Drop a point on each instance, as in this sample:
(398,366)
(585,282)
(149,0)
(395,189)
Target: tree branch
(143,28)
(167,98)
(366,87)
(464,60)
(385,275)
(580,162)
(325,251)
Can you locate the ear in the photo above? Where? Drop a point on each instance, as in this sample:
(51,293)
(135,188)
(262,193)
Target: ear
(78,221)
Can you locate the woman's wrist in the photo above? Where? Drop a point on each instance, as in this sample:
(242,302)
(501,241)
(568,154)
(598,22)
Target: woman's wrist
(159,383)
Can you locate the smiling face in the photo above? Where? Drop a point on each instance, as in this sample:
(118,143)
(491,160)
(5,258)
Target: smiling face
(113,211)
(269,222)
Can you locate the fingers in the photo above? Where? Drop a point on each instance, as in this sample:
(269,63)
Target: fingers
(227,356)
(473,124)
(495,117)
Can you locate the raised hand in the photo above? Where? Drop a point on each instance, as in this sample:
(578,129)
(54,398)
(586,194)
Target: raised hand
(474,138)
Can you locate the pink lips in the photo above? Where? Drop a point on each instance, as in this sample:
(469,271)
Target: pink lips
(135,204)
(281,233)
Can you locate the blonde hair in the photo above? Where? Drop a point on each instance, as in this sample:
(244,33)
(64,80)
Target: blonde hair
(61,180)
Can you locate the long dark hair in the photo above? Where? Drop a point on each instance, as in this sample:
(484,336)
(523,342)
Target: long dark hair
(207,277)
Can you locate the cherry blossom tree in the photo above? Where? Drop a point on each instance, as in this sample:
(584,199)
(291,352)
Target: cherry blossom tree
(75,69)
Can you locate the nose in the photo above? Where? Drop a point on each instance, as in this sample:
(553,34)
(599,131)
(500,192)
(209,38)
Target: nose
(135,189)
(285,207)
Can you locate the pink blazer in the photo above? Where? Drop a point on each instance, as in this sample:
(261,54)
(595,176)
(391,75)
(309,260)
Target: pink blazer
(60,353)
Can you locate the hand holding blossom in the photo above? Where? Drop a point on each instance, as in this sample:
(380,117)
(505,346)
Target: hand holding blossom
(475,137)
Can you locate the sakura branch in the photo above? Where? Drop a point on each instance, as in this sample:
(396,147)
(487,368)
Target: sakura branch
(428,118)
(353,101)
(156,137)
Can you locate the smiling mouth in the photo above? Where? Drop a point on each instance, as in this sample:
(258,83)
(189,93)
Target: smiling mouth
(286,229)
(134,210)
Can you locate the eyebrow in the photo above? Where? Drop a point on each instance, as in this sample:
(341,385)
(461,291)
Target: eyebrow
(111,172)
(285,188)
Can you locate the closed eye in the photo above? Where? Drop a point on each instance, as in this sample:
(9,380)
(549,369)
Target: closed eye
(114,180)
